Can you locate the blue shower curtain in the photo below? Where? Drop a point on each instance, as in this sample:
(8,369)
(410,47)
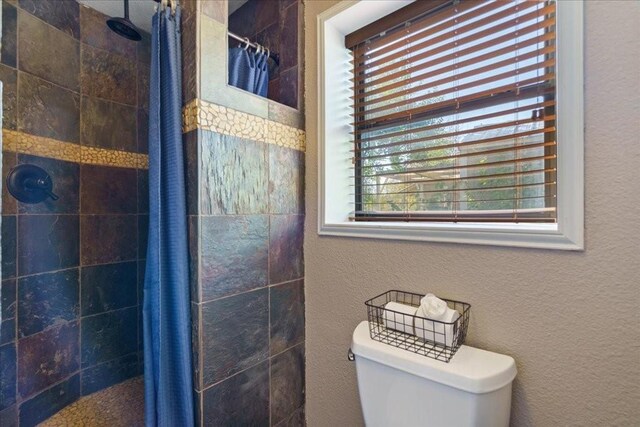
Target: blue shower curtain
(249,70)
(166,314)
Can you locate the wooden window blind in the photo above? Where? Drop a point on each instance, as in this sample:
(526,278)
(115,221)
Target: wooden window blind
(454,114)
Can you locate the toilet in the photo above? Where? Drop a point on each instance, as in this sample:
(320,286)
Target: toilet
(399,388)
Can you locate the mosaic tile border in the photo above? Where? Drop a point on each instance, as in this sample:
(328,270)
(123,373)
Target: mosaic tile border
(200,114)
(20,142)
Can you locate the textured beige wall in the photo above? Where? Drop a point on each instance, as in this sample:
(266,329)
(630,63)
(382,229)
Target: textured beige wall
(570,319)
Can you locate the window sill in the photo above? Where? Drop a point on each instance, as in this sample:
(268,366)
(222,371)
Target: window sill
(543,236)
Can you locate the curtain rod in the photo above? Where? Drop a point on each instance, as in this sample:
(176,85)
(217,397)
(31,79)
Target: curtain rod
(272,55)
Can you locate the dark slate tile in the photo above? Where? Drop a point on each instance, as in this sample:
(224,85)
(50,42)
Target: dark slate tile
(287,315)
(243,20)
(57,60)
(9,204)
(235,334)
(108,190)
(47,243)
(286,180)
(47,403)
(270,38)
(8,315)
(9,246)
(216,9)
(109,373)
(194,243)
(95,32)
(190,54)
(9,416)
(143,234)
(192,164)
(46,300)
(143,191)
(233,177)
(234,254)
(143,86)
(7,330)
(9,78)
(45,109)
(286,3)
(197,407)
(289,37)
(8,47)
(8,292)
(47,357)
(66,185)
(143,131)
(8,368)
(289,87)
(266,14)
(286,260)
(143,48)
(196,342)
(108,287)
(108,238)
(297,419)
(108,336)
(108,125)
(62,14)
(287,383)
(274,89)
(242,400)
(108,75)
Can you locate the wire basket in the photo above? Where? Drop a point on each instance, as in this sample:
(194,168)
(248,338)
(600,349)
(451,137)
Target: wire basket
(431,338)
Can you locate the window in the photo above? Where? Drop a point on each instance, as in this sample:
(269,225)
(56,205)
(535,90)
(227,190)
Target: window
(464,122)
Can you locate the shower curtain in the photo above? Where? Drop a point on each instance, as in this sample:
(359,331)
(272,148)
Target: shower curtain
(249,70)
(166,314)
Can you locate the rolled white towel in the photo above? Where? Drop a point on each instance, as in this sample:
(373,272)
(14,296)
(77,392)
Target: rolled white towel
(433,308)
(399,317)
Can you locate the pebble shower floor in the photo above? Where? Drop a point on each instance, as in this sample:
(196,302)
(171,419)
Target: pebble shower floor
(121,405)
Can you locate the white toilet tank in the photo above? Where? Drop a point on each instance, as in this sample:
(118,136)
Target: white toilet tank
(403,389)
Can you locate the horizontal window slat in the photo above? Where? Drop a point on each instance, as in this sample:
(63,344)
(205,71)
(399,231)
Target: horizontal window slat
(536,83)
(389,72)
(365,101)
(460,190)
(462,180)
(470,85)
(442,15)
(514,148)
(446,124)
(459,167)
(485,141)
(453,217)
(371,90)
(412,141)
(409,46)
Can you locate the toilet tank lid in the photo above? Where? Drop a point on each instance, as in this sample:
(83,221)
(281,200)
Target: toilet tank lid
(471,369)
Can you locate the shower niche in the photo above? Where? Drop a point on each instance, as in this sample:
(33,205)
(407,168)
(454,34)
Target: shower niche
(264,49)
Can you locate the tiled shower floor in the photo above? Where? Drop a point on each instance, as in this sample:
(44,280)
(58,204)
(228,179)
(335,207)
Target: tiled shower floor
(121,405)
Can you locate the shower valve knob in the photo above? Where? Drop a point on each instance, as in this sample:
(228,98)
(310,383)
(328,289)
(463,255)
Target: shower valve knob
(30,184)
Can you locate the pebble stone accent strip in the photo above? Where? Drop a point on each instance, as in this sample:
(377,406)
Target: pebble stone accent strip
(121,405)
(20,142)
(200,114)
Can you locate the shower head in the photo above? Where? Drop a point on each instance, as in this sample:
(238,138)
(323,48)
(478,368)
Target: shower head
(123,26)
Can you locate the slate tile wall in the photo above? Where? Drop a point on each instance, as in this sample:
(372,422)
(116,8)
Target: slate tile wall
(276,25)
(72,270)
(247,267)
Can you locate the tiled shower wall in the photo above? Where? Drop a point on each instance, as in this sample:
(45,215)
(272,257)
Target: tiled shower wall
(245,165)
(275,25)
(75,103)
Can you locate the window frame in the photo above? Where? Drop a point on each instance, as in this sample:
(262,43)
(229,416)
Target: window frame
(334,203)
